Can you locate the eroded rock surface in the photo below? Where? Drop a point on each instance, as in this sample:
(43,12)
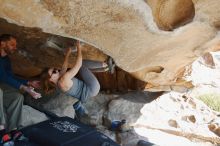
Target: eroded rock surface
(171,14)
(126,31)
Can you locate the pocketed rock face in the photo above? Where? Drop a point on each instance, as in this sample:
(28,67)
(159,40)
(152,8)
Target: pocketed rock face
(170,14)
(208,11)
(125,31)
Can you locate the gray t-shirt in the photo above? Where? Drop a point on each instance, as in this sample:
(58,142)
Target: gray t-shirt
(78,90)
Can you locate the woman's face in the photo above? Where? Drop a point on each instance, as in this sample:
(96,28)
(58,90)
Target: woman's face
(54,74)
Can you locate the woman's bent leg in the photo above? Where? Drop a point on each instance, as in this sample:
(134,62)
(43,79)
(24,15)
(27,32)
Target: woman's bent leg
(90,80)
(93,88)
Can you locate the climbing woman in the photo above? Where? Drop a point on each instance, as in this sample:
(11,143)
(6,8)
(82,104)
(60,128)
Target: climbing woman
(66,81)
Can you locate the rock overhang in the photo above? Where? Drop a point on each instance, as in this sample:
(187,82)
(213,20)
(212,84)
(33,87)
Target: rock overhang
(124,30)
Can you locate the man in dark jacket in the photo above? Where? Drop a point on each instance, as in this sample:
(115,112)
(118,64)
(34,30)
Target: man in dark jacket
(11,100)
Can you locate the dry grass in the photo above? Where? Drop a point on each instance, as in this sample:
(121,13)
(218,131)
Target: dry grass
(211,100)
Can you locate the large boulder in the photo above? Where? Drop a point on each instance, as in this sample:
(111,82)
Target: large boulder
(36,54)
(31,116)
(56,104)
(124,30)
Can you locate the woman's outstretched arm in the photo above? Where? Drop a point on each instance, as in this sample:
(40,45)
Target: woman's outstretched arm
(65,81)
(65,63)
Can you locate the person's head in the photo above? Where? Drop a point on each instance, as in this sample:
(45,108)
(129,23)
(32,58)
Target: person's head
(8,43)
(54,74)
(49,79)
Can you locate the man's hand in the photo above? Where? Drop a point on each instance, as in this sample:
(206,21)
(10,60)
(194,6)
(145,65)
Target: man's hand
(31,91)
(34,84)
(34,94)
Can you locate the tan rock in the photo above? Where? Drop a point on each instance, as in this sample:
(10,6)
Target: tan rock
(192,118)
(119,29)
(208,60)
(214,128)
(173,123)
(208,11)
(170,14)
(192,103)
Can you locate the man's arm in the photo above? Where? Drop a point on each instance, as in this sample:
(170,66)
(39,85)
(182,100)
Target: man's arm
(23,81)
(10,80)
(8,71)
(7,76)
(13,82)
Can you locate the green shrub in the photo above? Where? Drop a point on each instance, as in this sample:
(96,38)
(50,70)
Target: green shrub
(211,100)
